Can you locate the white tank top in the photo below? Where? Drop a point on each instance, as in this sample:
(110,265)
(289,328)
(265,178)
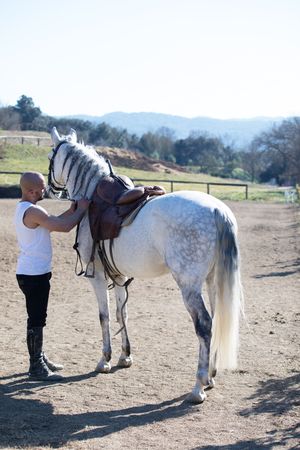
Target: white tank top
(34,243)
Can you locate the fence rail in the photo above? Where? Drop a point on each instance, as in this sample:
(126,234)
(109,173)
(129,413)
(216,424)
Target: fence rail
(38,140)
(172,182)
(208,184)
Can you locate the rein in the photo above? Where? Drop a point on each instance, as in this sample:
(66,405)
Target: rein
(56,188)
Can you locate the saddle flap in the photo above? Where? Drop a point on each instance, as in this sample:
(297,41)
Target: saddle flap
(115,199)
(109,190)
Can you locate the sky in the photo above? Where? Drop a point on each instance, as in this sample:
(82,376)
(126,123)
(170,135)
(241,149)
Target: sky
(215,58)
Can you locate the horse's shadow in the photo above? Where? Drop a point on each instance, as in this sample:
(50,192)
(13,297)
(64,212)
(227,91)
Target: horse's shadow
(288,268)
(276,397)
(38,425)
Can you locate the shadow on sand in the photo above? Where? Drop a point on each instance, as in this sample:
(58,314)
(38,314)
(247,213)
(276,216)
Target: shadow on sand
(28,422)
(276,397)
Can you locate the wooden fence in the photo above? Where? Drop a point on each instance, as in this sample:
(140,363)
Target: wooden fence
(35,140)
(172,182)
(208,184)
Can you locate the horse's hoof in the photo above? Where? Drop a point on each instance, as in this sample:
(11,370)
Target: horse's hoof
(196,397)
(125,361)
(211,384)
(103,367)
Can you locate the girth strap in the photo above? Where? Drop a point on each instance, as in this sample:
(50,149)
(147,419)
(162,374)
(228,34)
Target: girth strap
(78,259)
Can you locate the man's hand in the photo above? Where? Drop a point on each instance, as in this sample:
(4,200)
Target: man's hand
(73,207)
(83,204)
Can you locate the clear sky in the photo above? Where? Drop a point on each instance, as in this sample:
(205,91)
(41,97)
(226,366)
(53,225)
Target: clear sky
(215,58)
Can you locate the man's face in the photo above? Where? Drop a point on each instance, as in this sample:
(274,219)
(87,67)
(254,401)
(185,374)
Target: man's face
(38,191)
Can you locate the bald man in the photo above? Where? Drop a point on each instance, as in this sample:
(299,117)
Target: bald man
(33,226)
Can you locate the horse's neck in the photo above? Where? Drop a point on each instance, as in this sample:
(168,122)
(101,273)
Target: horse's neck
(81,173)
(87,189)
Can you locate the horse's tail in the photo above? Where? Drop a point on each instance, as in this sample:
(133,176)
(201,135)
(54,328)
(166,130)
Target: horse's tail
(229,296)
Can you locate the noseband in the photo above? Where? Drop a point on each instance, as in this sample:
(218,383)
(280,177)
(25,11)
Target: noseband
(54,186)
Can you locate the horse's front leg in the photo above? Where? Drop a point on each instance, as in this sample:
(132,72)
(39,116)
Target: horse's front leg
(99,284)
(125,359)
(203,323)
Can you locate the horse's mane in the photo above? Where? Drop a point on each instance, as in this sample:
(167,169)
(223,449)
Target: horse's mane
(86,163)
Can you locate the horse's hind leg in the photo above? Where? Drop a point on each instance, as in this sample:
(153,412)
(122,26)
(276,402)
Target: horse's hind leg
(212,295)
(125,359)
(202,322)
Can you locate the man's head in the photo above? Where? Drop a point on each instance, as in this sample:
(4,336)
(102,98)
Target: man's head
(33,186)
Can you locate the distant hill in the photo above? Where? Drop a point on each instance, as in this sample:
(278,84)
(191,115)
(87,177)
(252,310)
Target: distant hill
(238,131)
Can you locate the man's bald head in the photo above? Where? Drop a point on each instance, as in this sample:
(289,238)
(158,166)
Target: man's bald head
(31,180)
(32,186)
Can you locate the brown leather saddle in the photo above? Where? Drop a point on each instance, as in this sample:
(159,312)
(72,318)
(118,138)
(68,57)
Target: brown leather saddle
(114,199)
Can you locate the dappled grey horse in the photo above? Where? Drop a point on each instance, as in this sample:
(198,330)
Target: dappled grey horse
(192,235)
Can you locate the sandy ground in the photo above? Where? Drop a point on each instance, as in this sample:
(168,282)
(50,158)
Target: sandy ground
(143,407)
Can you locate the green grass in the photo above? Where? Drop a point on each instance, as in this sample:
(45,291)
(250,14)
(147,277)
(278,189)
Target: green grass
(20,158)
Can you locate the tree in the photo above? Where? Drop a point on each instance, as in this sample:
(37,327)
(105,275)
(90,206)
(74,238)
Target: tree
(9,119)
(27,111)
(148,144)
(280,150)
(230,161)
(203,151)
(251,161)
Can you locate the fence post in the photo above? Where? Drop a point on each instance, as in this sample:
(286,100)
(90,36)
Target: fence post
(171,186)
(208,188)
(246,191)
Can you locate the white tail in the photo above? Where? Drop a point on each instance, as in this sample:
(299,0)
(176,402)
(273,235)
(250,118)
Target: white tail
(229,298)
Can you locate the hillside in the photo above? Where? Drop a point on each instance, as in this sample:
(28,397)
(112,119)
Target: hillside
(118,157)
(136,160)
(240,131)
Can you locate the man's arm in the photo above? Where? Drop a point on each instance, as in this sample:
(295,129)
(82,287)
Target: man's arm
(35,217)
(69,211)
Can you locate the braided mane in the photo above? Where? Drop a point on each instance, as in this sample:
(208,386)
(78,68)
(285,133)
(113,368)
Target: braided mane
(84,164)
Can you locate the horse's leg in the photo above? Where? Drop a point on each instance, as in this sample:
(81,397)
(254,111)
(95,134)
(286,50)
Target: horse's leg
(212,295)
(99,284)
(202,322)
(125,359)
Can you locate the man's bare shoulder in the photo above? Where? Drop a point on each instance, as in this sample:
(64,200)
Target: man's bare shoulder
(34,216)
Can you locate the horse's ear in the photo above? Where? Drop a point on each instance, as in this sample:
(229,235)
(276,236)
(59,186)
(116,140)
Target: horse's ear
(55,136)
(73,136)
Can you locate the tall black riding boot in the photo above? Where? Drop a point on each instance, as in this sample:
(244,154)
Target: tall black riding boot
(38,369)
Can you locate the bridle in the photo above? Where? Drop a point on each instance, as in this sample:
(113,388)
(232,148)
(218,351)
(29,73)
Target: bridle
(54,186)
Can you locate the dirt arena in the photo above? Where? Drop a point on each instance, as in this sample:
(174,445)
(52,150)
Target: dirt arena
(143,407)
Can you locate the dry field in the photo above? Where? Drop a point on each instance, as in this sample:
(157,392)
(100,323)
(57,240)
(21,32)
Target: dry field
(143,407)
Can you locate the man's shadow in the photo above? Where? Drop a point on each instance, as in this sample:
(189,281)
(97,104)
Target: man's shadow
(28,422)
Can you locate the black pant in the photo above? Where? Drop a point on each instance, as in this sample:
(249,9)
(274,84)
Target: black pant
(36,289)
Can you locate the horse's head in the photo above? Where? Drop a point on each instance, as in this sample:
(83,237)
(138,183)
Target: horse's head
(56,184)
(56,138)
(74,168)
